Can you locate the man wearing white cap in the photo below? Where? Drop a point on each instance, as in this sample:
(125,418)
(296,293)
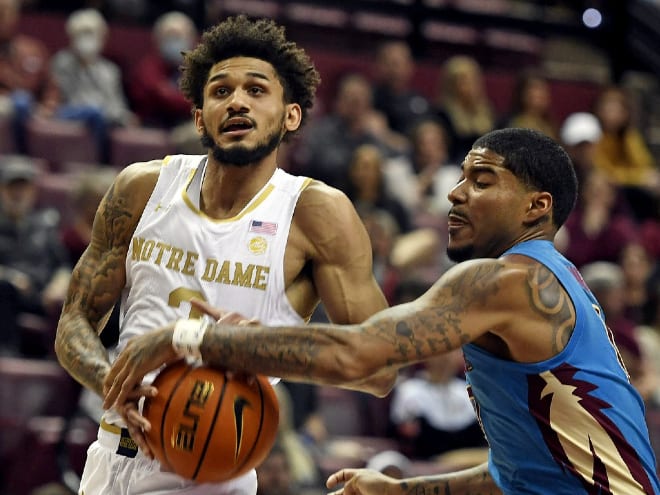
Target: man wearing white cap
(579,133)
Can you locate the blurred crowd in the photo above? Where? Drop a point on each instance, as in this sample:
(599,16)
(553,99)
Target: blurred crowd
(392,149)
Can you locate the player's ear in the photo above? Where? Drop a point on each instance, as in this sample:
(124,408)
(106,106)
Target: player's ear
(199,121)
(292,117)
(540,205)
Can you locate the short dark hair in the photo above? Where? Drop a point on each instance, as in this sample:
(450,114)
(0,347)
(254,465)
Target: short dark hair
(263,39)
(539,162)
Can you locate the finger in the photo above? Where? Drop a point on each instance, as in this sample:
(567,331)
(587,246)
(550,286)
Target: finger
(124,383)
(110,384)
(341,476)
(207,309)
(137,425)
(142,391)
(133,417)
(232,318)
(140,440)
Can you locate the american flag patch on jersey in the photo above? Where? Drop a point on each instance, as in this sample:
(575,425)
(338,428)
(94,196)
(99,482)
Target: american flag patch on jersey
(259,227)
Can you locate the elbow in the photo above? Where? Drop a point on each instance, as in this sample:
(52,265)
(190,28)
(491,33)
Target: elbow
(361,373)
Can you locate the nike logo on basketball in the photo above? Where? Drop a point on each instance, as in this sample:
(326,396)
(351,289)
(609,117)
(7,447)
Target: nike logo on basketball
(239,405)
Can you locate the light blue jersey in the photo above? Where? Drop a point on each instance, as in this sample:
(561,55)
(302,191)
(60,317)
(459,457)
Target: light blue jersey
(551,425)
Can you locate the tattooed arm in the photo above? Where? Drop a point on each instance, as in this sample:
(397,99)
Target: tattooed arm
(491,302)
(473,481)
(99,276)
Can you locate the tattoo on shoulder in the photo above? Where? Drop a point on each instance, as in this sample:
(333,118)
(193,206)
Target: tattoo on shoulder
(117,217)
(548,298)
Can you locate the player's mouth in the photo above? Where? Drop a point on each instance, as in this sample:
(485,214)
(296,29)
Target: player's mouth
(455,221)
(237,126)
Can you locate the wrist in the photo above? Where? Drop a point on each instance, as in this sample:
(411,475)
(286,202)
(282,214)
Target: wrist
(187,338)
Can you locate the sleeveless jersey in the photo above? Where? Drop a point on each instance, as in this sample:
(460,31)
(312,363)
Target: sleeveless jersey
(550,425)
(177,252)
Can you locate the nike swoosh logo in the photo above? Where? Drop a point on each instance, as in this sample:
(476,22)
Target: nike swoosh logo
(239,405)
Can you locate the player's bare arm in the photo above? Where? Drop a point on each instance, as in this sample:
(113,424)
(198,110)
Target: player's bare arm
(338,246)
(493,303)
(99,276)
(334,239)
(473,481)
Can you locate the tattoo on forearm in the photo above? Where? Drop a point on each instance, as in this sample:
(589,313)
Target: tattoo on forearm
(479,483)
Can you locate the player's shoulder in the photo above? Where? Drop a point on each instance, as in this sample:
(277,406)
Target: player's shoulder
(139,175)
(327,216)
(507,278)
(318,196)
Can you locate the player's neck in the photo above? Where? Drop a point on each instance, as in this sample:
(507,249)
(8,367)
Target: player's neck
(227,190)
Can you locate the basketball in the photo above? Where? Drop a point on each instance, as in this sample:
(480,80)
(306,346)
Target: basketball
(207,428)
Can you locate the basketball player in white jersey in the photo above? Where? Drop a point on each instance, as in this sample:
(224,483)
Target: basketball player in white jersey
(229,228)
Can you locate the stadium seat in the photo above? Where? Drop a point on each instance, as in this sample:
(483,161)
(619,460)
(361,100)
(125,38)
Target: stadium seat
(59,142)
(30,389)
(137,144)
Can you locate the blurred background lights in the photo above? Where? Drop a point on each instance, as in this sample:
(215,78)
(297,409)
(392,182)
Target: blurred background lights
(592,18)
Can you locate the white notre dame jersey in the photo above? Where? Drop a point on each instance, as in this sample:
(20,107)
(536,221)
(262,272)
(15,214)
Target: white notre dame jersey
(178,253)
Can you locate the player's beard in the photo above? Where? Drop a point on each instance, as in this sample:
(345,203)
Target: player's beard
(460,254)
(240,155)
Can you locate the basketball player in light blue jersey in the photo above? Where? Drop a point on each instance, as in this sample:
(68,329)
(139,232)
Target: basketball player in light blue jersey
(551,392)
(229,228)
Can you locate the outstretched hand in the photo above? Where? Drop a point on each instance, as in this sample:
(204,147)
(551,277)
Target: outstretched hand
(141,355)
(149,352)
(362,482)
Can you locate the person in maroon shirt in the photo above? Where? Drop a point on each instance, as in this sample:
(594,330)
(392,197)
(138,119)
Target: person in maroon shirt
(153,86)
(601,225)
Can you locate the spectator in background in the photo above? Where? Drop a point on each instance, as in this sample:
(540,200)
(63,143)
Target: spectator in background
(606,281)
(579,134)
(639,269)
(34,273)
(422,179)
(623,154)
(91,85)
(274,474)
(153,85)
(88,191)
(394,95)
(600,226)
(327,146)
(26,86)
(366,186)
(648,334)
(432,412)
(398,245)
(531,104)
(301,455)
(462,105)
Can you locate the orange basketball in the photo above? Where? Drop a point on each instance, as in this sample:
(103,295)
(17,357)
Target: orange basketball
(207,428)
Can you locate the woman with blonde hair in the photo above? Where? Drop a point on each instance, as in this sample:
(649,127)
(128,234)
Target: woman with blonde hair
(463,105)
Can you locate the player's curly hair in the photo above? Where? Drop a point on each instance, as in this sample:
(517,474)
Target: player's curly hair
(263,39)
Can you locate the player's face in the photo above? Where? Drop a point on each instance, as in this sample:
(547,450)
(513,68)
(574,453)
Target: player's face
(244,116)
(488,207)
